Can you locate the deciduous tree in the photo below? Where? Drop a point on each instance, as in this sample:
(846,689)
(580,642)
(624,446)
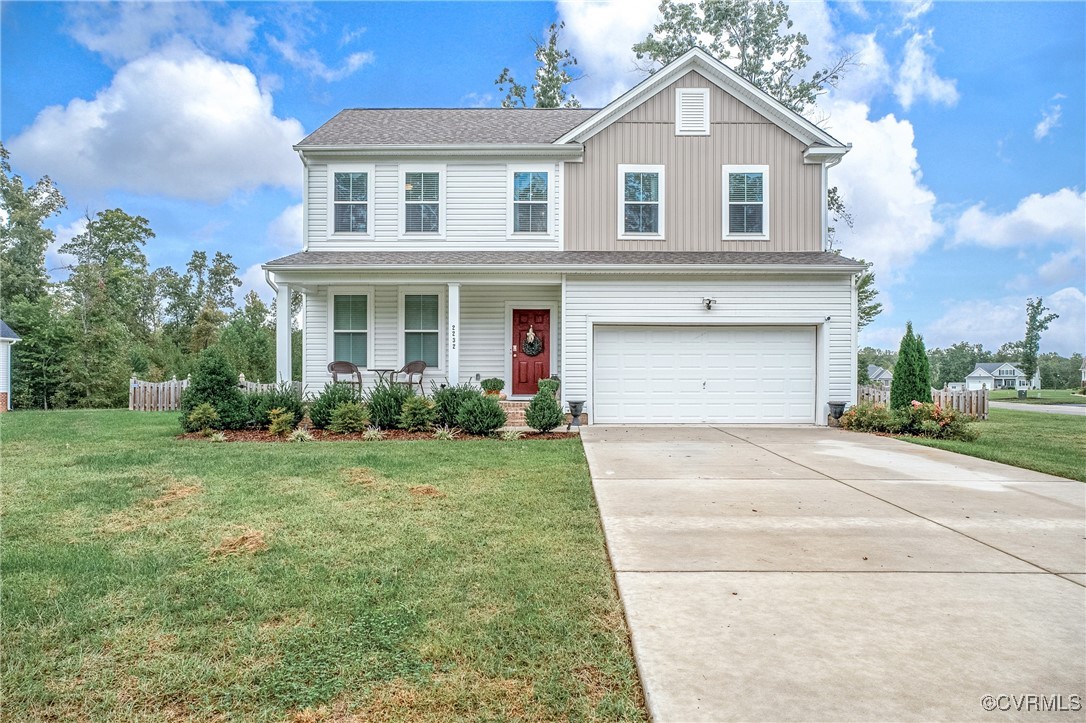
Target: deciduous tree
(1037,322)
(552,77)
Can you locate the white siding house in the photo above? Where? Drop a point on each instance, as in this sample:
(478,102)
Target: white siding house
(7,338)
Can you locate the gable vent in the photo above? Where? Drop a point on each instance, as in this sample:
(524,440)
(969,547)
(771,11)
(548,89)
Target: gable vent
(691,111)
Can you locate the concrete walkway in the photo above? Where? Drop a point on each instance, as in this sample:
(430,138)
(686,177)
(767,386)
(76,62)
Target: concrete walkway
(816,574)
(1078,410)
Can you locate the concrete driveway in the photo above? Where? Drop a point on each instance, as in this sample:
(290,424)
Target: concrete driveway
(805,573)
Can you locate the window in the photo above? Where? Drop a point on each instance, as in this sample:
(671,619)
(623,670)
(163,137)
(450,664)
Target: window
(641,209)
(691,111)
(351,199)
(421,329)
(421,204)
(529,190)
(350,324)
(746,194)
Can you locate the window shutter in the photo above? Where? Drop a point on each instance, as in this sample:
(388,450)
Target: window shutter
(691,111)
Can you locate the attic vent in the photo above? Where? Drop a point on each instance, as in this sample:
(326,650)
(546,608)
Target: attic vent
(691,111)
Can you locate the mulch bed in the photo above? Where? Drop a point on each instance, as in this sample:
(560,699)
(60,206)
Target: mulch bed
(391,435)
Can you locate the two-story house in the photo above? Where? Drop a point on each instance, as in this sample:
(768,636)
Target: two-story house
(667,250)
(1000,375)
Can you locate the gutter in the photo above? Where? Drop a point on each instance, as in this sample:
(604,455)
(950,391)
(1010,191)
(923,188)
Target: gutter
(571,151)
(580,268)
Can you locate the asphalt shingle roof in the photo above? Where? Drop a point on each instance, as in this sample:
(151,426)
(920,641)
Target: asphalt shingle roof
(440,126)
(563,258)
(6,332)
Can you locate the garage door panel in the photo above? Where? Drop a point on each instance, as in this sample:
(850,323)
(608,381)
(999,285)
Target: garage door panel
(704,374)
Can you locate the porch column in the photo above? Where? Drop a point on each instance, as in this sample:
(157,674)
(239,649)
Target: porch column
(282,334)
(454,333)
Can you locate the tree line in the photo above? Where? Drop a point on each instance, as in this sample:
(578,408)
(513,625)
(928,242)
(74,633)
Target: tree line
(953,363)
(113,316)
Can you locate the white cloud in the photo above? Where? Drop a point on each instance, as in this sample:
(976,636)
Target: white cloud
(1050,118)
(309,61)
(913,9)
(477,100)
(1059,216)
(994,322)
(177,122)
(917,78)
(285,230)
(601,35)
(129,30)
(253,279)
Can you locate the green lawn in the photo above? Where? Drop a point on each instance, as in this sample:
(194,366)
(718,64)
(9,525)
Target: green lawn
(1039,396)
(1050,443)
(121,599)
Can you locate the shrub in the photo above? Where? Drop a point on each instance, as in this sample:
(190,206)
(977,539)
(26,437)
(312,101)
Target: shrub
(447,402)
(386,402)
(217,437)
(215,382)
(918,420)
(446,433)
(550,386)
(333,395)
(512,435)
(203,418)
(349,417)
(492,385)
(543,413)
(480,415)
(280,422)
(283,397)
(867,417)
(301,435)
(417,414)
(373,434)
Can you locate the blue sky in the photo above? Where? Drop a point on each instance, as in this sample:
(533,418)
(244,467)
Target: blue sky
(966,178)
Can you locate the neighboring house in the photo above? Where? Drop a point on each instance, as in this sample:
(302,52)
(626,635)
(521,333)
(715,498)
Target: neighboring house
(7,338)
(1000,375)
(668,250)
(879,377)
(1083,370)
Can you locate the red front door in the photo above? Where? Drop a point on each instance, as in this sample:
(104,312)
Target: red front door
(531,349)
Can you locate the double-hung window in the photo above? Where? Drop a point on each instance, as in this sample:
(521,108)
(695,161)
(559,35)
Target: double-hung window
(641,202)
(746,203)
(422,201)
(351,200)
(421,329)
(530,198)
(350,328)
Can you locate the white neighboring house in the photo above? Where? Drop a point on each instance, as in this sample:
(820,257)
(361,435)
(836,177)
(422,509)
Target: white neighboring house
(7,338)
(997,375)
(879,377)
(1083,370)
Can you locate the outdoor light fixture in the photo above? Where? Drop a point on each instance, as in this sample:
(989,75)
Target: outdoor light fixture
(708,303)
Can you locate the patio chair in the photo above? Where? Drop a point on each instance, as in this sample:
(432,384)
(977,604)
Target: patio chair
(411,370)
(346,369)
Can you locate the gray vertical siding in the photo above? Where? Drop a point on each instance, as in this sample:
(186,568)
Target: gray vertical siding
(694,193)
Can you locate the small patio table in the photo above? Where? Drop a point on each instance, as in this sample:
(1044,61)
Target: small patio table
(383,375)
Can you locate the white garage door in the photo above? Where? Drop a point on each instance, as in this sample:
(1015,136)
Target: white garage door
(716,374)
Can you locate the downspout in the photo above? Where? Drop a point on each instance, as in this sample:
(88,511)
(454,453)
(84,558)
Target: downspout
(826,165)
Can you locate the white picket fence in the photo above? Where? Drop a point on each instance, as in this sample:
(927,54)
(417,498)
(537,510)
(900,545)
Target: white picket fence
(166,396)
(973,402)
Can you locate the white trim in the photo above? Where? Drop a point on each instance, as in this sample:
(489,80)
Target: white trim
(305,202)
(371,178)
(560,177)
(395,151)
(427,290)
(454,335)
(825,208)
(353,290)
(552,308)
(704,94)
(510,216)
(401,172)
(283,369)
(623,169)
(725,204)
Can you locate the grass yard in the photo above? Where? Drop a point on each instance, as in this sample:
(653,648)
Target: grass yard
(146,578)
(1049,443)
(1039,396)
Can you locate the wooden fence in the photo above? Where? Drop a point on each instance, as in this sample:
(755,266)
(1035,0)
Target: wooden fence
(166,396)
(974,402)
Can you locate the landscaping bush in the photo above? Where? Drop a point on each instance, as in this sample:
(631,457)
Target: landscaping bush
(918,420)
(550,386)
(492,385)
(386,402)
(448,401)
(333,395)
(280,422)
(215,382)
(912,372)
(543,413)
(203,418)
(480,415)
(283,397)
(349,417)
(417,415)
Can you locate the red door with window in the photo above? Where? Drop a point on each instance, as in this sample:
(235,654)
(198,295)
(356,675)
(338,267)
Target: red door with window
(531,349)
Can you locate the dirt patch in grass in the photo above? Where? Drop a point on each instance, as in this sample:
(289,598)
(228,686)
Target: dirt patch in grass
(389,435)
(149,512)
(360,475)
(248,542)
(425,491)
(175,493)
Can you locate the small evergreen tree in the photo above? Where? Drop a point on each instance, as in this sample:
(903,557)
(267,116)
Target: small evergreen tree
(214,381)
(543,413)
(912,373)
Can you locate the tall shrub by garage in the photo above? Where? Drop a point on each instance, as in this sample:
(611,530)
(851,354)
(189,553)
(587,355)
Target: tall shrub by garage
(912,373)
(215,381)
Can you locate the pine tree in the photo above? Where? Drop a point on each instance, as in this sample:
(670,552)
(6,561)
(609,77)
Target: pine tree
(912,373)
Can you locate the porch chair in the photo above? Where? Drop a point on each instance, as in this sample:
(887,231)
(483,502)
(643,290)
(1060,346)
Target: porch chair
(346,369)
(411,370)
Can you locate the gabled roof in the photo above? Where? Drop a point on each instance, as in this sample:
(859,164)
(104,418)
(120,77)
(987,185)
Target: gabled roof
(729,81)
(6,332)
(874,371)
(445,126)
(989,368)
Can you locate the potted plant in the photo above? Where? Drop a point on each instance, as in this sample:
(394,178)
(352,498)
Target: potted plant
(493,387)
